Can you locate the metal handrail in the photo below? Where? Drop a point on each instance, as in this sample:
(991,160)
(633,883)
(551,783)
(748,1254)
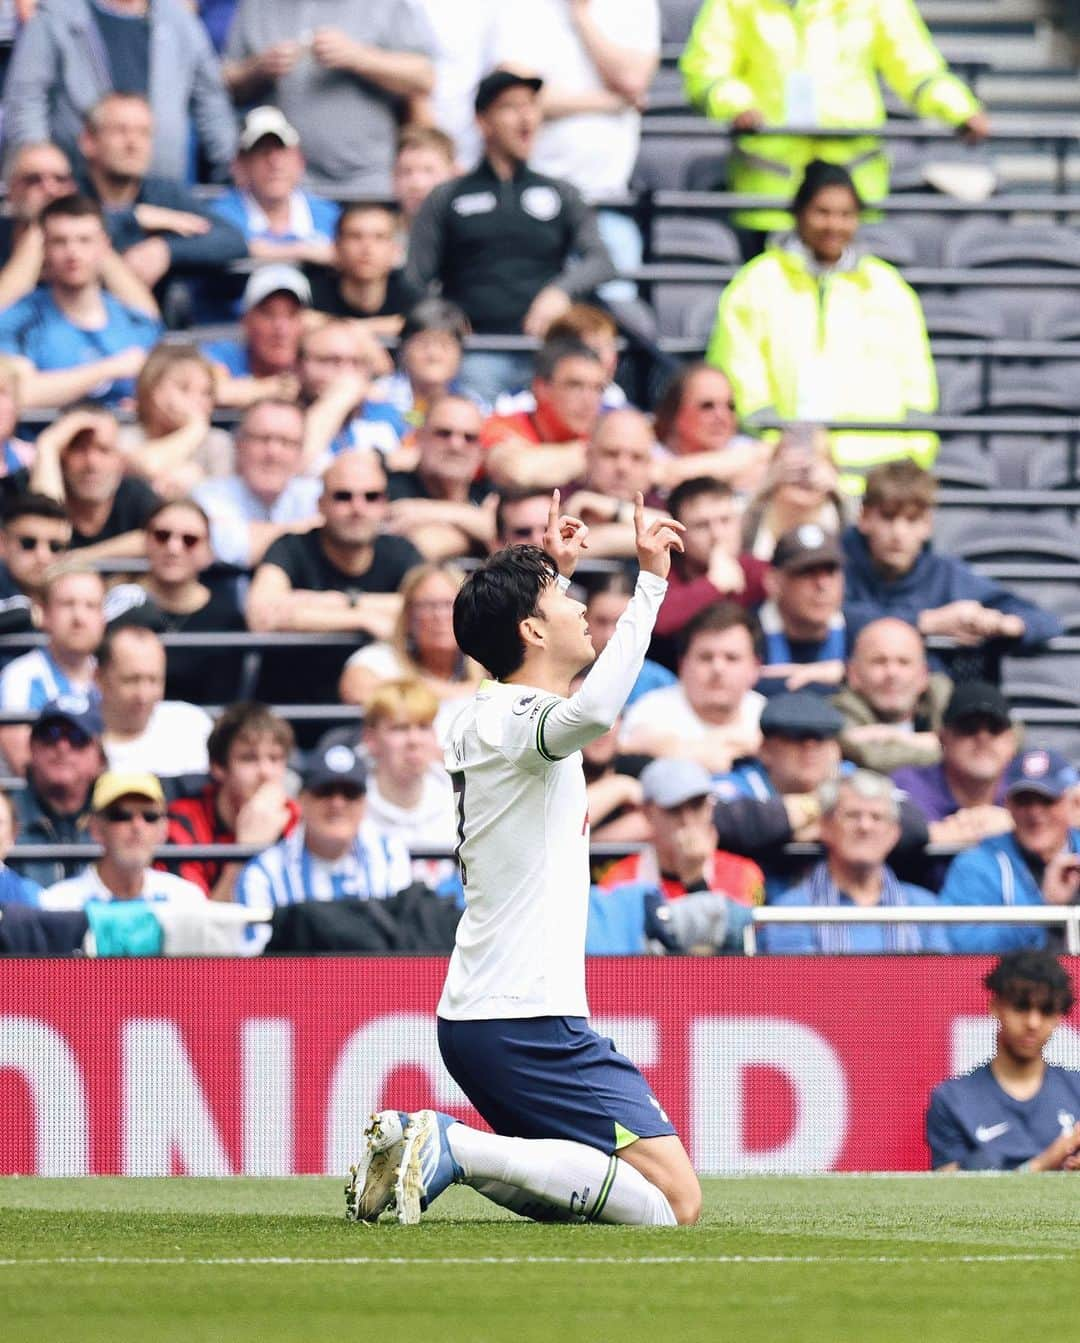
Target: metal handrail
(1067,916)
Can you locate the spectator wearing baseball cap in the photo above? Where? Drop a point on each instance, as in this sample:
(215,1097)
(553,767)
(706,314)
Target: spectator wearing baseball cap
(802,623)
(265,361)
(860,826)
(279,220)
(1037,864)
(65,761)
(770,799)
(128,820)
(336,853)
(684,855)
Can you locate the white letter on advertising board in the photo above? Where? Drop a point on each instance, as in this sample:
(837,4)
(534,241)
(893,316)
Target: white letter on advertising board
(722,1048)
(165,1111)
(51,1071)
(267,1095)
(369,1055)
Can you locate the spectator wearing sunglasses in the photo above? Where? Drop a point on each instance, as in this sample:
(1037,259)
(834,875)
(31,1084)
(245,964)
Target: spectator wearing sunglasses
(73,618)
(142,727)
(174,597)
(128,820)
(439,506)
(336,853)
(65,760)
(695,421)
(35,533)
(267,496)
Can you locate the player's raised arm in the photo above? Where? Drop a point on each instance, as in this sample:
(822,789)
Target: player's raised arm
(571,724)
(564,538)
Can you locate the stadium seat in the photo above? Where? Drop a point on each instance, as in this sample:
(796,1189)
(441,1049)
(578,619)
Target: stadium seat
(707,172)
(675,303)
(1016,389)
(1047,679)
(1028,536)
(1048,737)
(676,20)
(890,241)
(963,464)
(1056,317)
(997,242)
(663,162)
(693,238)
(953,317)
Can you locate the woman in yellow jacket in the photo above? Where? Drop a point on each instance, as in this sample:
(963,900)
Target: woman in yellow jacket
(812,63)
(815,330)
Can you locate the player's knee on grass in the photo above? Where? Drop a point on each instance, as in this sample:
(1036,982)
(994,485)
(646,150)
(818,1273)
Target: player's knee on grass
(685,1200)
(665,1164)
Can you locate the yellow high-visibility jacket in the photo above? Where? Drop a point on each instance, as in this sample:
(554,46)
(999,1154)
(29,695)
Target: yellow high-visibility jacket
(822,56)
(848,343)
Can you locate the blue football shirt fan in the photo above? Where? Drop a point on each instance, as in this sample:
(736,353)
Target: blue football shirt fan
(1016,1112)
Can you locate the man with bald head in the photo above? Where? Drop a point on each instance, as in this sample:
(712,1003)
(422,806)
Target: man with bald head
(892,704)
(342,577)
(439,506)
(618,465)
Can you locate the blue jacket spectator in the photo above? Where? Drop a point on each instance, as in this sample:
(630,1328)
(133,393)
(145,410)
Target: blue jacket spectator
(80,339)
(73,52)
(860,825)
(1036,865)
(272,306)
(891,569)
(804,636)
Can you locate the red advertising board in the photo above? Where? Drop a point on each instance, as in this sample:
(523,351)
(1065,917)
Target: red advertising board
(271,1066)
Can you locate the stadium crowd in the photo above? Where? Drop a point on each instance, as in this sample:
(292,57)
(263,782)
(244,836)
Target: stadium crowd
(239,392)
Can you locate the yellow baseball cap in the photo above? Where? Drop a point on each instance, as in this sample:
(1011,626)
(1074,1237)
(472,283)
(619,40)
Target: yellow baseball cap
(114,784)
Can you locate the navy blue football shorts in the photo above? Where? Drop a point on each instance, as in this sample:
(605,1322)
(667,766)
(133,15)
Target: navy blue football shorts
(551,1077)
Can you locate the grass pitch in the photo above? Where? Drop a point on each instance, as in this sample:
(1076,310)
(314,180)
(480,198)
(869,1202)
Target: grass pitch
(822,1260)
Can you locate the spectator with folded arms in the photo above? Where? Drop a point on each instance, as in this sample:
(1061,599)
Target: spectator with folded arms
(80,339)
(73,619)
(860,825)
(1037,864)
(157,225)
(172,444)
(278,219)
(442,506)
(173,598)
(892,704)
(268,495)
(79,462)
(891,569)
(245,801)
(336,853)
(65,761)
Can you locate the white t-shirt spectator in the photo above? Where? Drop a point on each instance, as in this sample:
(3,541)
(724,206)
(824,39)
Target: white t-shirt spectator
(593,150)
(158,888)
(669,711)
(174,743)
(432,823)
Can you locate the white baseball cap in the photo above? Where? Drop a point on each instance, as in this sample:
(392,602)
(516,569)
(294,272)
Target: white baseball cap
(279,279)
(263,121)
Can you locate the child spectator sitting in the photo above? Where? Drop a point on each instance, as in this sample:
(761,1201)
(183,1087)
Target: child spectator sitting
(429,360)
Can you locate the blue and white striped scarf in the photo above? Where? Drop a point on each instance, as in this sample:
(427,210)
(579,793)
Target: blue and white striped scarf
(834,939)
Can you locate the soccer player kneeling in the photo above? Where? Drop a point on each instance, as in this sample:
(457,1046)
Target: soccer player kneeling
(578,1136)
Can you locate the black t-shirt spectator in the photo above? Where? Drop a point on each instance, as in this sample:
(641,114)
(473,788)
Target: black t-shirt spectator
(326,296)
(197,675)
(132,504)
(312,674)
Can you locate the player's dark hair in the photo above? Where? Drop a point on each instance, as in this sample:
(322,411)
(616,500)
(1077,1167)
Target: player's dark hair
(494,600)
(550,355)
(1026,979)
(699,487)
(715,619)
(817,177)
(33,505)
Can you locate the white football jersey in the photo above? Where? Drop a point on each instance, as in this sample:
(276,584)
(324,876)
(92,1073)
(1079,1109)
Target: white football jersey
(514,755)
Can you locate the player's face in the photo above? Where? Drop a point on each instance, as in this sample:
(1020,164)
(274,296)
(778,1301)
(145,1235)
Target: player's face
(895,538)
(73,616)
(253,761)
(799,766)
(565,627)
(717,670)
(1024,1027)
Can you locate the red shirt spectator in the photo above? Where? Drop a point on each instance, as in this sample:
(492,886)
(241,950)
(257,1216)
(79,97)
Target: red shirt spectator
(196,820)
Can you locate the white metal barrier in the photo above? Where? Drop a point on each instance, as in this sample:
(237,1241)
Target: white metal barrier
(1067,915)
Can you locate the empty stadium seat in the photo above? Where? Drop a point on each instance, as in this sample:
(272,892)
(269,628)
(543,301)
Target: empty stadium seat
(694,238)
(1050,678)
(963,464)
(676,20)
(707,172)
(998,242)
(889,241)
(1017,389)
(954,317)
(1056,317)
(678,305)
(1028,536)
(663,161)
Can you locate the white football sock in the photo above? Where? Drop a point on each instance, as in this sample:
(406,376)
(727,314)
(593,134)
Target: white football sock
(578,1180)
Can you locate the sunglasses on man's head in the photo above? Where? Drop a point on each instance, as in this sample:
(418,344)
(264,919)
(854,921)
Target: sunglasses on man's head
(124,815)
(29,543)
(446,434)
(51,734)
(189,540)
(347,496)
